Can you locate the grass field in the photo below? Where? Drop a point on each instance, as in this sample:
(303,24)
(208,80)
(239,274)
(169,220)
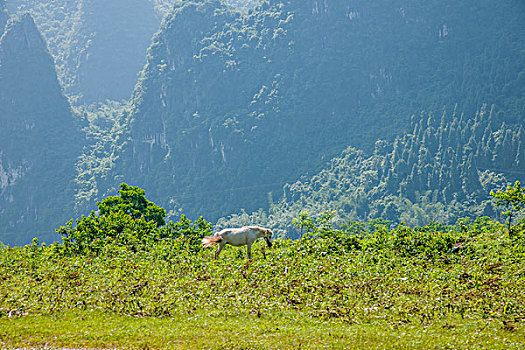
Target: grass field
(400,288)
(272,331)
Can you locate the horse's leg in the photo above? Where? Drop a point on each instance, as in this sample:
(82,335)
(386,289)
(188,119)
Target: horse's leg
(249,250)
(218,251)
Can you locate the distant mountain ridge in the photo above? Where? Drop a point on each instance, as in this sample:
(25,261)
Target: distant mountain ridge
(99,46)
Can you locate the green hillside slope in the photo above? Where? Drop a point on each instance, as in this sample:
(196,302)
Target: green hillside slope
(442,170)
(39,138)
(230,107)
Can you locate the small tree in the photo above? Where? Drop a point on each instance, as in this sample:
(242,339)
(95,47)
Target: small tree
(133,202)
(305,222)
(128,219)
(512,199)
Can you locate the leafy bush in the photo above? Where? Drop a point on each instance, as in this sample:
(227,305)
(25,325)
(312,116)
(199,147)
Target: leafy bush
(132,221)
(433,241)
(422,241)
(191,233)
(91,233)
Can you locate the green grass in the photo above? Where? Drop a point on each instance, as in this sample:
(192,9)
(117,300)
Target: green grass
(214,330)
(400,288)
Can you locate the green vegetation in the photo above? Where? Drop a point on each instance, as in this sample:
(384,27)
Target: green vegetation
(213,330)
(106,132)
(133,202)
(440,171)
(131,220)
(442,286)
(513,200)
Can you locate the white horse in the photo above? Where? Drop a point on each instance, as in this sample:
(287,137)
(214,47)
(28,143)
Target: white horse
(237,237)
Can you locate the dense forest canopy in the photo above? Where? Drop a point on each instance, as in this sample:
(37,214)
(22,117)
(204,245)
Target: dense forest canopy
(442,170)
(408,111)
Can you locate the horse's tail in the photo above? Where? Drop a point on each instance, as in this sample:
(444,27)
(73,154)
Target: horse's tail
(210,241)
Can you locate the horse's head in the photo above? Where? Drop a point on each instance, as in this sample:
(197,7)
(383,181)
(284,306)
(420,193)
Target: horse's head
(267,237)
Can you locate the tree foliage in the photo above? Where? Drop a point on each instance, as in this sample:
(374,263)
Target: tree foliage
(129,220)
(133,202)
(442,170)
(512,200)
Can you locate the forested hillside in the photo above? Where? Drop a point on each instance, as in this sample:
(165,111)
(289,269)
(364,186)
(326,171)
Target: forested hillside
(230,107)
(442,170)
(39,138)
(409,111)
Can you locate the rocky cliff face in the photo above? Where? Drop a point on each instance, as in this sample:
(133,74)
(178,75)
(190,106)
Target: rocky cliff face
(230,107)
(99,45)
(39,138)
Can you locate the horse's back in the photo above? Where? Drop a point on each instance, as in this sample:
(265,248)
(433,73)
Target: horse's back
(238,236)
